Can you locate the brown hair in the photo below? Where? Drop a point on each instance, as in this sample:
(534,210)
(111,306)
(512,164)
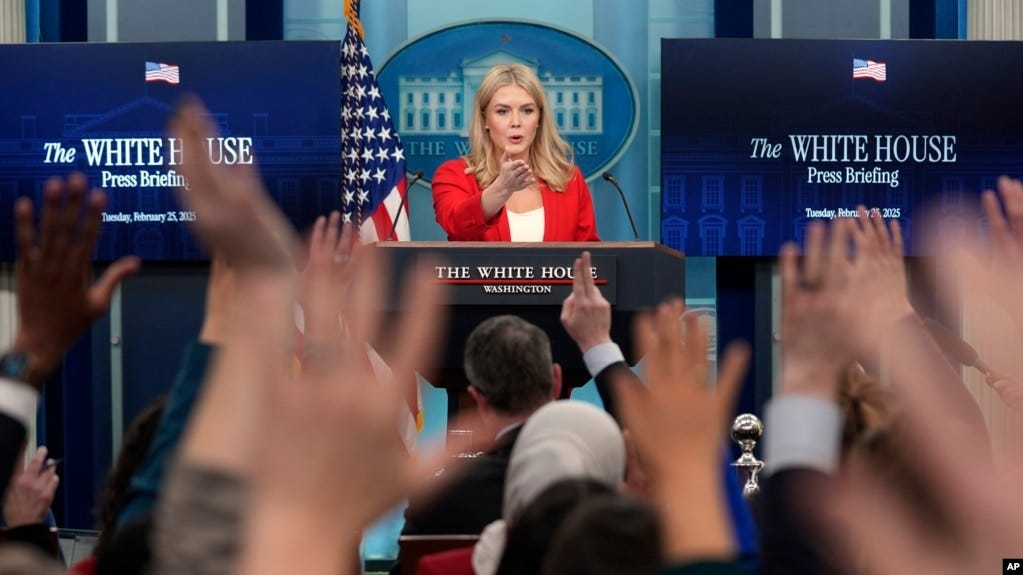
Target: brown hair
(137,440)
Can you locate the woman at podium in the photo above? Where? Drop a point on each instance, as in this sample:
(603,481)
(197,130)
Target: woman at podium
(518,183)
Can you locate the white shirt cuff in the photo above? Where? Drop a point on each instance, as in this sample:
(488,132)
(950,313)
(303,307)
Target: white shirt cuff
(802,431)
(19,401)
(598,357)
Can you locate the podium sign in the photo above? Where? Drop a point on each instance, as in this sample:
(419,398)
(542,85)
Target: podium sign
(482,278)
(534,281)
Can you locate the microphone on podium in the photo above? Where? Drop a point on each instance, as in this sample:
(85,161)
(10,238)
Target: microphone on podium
(611,179)
(959,350)
(416,176)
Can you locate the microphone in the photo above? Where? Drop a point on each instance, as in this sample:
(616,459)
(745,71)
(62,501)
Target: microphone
(611,179)
(959,350)
(418,175)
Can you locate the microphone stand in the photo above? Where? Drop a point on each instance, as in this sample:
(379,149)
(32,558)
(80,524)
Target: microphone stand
(611,179)
(418,175)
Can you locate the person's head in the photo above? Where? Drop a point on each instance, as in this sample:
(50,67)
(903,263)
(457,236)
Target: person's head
(137,439)
(509,367)
(530,534)
(511,115)
(562,440)
(605,535)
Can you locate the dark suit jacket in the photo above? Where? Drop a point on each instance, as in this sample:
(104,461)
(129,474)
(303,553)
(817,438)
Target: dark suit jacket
(705,568)
(791,541)
(12,436)
(617,371)
(472,501)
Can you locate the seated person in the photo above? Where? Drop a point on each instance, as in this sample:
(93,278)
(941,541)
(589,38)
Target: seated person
(511,374)
(137,439)
(563,440)
(607,534)
(530,536)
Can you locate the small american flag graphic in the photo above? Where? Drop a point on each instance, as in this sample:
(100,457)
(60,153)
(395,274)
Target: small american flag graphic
(869,69)
(160,72)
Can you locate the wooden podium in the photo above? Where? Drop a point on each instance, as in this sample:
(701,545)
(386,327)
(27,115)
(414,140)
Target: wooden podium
(531,280)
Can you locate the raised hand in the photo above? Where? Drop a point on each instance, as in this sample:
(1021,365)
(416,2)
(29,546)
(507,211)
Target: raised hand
(979,502)
(585,313)
(329,458)
(677,371)
(877,294)
(57,300)
(679,424)
(815,347)
(234,214)
(251,300)
(1003,276)
(30,492)
(983,277)
(326,277)
(515,175)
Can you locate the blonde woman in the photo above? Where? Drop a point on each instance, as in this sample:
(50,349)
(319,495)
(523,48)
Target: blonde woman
(518,182)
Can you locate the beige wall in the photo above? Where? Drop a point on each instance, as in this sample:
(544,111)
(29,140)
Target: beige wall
(12,21)
(984,324)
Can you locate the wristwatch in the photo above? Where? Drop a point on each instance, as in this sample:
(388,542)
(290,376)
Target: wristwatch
(20,366)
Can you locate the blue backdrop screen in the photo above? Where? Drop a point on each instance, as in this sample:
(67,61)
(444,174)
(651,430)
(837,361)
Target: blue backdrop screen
(759,137)
(103,109)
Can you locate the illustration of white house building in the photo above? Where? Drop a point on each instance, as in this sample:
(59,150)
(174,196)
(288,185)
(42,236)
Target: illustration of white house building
(440,105)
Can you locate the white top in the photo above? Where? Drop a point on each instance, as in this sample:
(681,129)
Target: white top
(19,401)
(598,357)
(805,431)
(526,226)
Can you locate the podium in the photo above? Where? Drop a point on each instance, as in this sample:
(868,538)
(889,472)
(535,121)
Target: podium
(531,280)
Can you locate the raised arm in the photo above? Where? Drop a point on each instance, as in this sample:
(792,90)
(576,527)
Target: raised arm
(57,299)
(678,425)
(586,316)
(462,208)
(200,509)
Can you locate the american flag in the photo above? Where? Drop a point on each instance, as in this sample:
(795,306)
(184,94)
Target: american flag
(373,161)
(160,72)
(869,69)
(373,176)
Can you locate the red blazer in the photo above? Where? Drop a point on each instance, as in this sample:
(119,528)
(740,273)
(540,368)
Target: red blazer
(568,215)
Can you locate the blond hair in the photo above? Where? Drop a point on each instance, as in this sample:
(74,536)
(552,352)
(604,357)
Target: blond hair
(867,406)
(550,156)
